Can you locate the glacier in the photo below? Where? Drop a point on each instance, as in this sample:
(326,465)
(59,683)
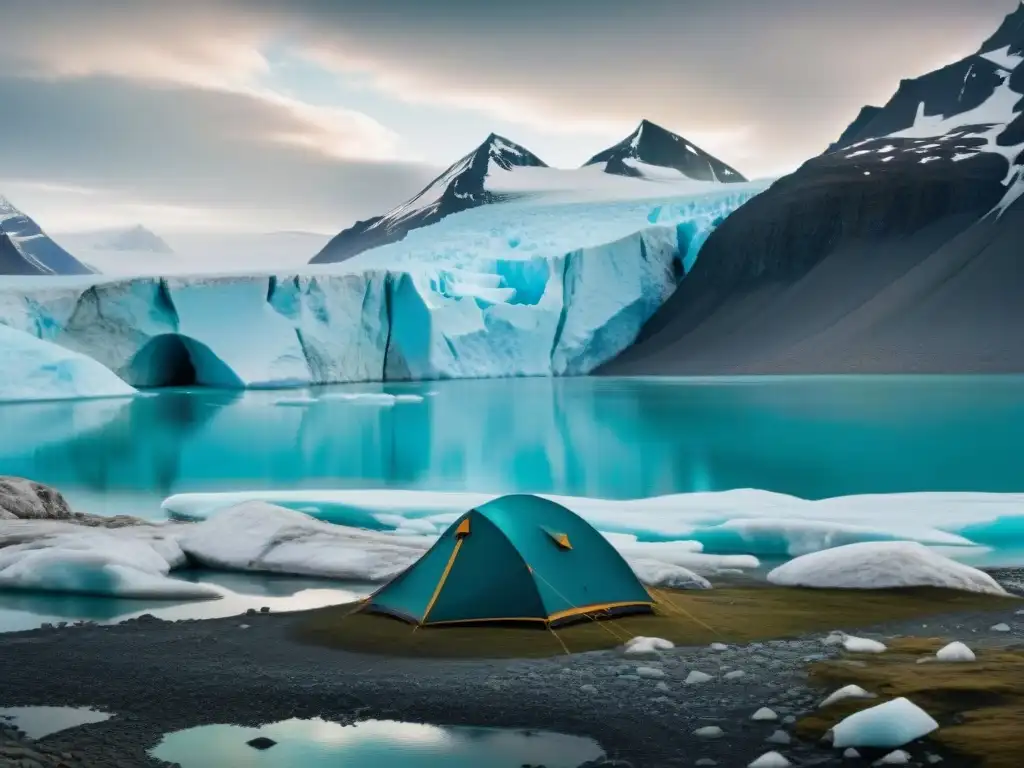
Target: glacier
(35,369)
(529,288)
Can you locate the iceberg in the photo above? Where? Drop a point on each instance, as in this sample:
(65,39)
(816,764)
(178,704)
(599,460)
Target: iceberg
(34,369)
(517,289)
(882,565)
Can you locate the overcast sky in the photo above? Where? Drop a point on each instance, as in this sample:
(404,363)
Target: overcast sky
(265,115)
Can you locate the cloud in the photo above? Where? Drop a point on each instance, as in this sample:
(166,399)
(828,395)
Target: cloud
(165,101)
(202,148)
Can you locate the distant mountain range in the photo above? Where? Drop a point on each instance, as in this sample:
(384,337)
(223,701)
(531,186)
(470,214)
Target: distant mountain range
(26,250)
(897,249)
(137,239)
(500,169)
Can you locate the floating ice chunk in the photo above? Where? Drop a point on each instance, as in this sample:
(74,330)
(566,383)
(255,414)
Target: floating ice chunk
(764,714)
(696,677)
(863,645)
(718,647)
(885,726)
(882,565)
(1001,628)
(770,760)
(899,757)
(709,732)
(638,646)
(955,652)
(298,400)
(33,369)
(736,674)
(846,692)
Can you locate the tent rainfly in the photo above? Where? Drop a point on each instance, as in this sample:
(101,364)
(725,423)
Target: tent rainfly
(515,558)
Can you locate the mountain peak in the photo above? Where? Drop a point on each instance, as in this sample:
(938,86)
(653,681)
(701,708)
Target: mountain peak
(136,238)
(7,208)
(1009,35)
(653,151)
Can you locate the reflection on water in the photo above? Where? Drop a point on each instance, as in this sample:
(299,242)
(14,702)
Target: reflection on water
(38,722)
(383,744)
(241,591)
(811,436)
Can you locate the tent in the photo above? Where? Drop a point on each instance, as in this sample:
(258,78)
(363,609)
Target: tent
(515,558)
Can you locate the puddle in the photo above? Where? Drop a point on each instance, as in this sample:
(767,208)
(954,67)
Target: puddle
(38,722)
(383,744)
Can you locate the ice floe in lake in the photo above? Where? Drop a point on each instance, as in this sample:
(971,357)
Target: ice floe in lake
(736,523)
(882,565)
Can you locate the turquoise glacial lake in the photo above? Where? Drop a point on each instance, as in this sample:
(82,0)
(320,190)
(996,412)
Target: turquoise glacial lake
(384,744)
(616,438)
(812,437)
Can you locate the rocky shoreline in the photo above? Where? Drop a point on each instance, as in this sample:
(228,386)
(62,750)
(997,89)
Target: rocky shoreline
(157,676)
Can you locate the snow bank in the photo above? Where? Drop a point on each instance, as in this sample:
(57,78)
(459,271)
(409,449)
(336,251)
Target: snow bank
(885,726)
(679,528)
(882,565)
(32,369)
(509,290)
(124,562)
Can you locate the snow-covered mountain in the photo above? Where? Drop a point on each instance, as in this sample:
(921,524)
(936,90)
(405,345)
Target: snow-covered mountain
(655,153)
(500,170)
(26,250)
(897,249)
(137,239)
(462,186)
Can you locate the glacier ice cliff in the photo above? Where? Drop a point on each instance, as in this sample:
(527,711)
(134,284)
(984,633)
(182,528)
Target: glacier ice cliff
(508,291)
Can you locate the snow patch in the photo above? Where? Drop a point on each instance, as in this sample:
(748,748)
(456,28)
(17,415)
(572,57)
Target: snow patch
(957,652)
(882,565)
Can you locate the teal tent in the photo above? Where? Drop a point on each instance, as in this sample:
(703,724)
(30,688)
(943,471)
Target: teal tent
(515,558)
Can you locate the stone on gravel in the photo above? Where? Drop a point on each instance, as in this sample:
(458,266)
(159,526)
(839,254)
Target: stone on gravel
(719,647)
(709,732)
(696,677)
(651,673)
(956,652)
(899,757)
(770,760)
(639,646)
(22,499)
(851,754)
(734,675)
(779,737)
(706,761)
(764,714)
(588,688)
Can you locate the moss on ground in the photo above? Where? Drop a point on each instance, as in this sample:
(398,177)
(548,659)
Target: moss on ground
(739,614)
(979,705)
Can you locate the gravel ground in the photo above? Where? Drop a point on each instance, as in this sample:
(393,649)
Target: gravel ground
(160,676)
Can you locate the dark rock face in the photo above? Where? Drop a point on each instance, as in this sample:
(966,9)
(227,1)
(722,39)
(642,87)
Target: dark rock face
(26,250)
(459,188)
(898,249)
(652,145)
